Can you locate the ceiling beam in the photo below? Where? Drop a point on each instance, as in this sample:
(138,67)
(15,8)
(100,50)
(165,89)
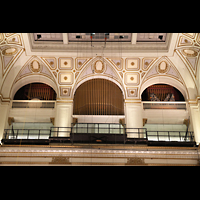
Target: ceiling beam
(134,38)
(65,38)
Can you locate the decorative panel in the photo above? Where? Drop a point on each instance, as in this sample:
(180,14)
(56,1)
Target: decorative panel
(132,64)
(34,66)
(65,63)
(81,62)
(147,62)
(51,62)
(132,92)
(14,39)
(9,56)
(184,41)
(117,62)
(65,78)
(132,79)
(65,91)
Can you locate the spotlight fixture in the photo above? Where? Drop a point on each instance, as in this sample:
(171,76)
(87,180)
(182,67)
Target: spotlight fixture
(160,37)
(121,36)
(39,36)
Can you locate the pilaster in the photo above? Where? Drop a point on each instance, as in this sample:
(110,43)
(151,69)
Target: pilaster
(63,117)
(4,111)
(194,106)
(133,117)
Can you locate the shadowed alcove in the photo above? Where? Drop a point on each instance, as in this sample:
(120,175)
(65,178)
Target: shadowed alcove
(162,92)
(39,91)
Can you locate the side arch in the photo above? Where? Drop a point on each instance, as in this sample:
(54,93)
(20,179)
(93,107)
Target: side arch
(165,80)
(32,79)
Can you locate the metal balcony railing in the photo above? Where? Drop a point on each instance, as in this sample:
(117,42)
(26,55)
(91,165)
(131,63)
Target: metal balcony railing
(100,129)
(26,134)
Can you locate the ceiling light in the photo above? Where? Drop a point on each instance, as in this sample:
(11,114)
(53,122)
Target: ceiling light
(39,36)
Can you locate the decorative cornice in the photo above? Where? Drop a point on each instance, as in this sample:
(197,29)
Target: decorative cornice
(194,102)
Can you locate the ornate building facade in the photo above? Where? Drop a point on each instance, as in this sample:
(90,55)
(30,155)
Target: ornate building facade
(129,89)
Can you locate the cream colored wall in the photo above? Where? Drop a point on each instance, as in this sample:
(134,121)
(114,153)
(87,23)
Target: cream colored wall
(18,73)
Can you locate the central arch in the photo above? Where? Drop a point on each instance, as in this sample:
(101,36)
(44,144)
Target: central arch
(98,97)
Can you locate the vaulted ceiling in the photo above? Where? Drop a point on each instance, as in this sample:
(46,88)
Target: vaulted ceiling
(63,58)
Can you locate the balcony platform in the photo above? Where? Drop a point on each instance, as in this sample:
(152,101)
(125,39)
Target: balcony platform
(26,141)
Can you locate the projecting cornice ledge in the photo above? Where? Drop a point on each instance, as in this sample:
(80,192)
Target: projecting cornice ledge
(194,102)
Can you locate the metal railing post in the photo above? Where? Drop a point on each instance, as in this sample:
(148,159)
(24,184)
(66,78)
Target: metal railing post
(169,135)
(50,132)
(158,135)
(146,134)
(28,133)
(39,135)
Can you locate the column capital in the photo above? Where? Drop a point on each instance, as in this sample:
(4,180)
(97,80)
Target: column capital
(3,100)
(194,102)
(139,101)
(63,101)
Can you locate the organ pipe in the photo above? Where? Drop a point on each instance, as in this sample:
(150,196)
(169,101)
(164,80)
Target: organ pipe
(98,97)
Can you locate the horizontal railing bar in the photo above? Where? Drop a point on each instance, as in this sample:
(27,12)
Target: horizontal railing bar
(34,101)
(164,102)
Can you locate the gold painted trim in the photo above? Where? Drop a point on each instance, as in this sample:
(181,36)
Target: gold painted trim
(48,64)
(113,64)
(83,64)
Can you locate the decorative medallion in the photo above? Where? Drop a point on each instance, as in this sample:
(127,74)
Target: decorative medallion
(189,52)
(35,66)
(9,51)
(99,66)
(163,67)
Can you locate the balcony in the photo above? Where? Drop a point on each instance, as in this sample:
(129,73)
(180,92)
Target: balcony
(164,105)
(98,133)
